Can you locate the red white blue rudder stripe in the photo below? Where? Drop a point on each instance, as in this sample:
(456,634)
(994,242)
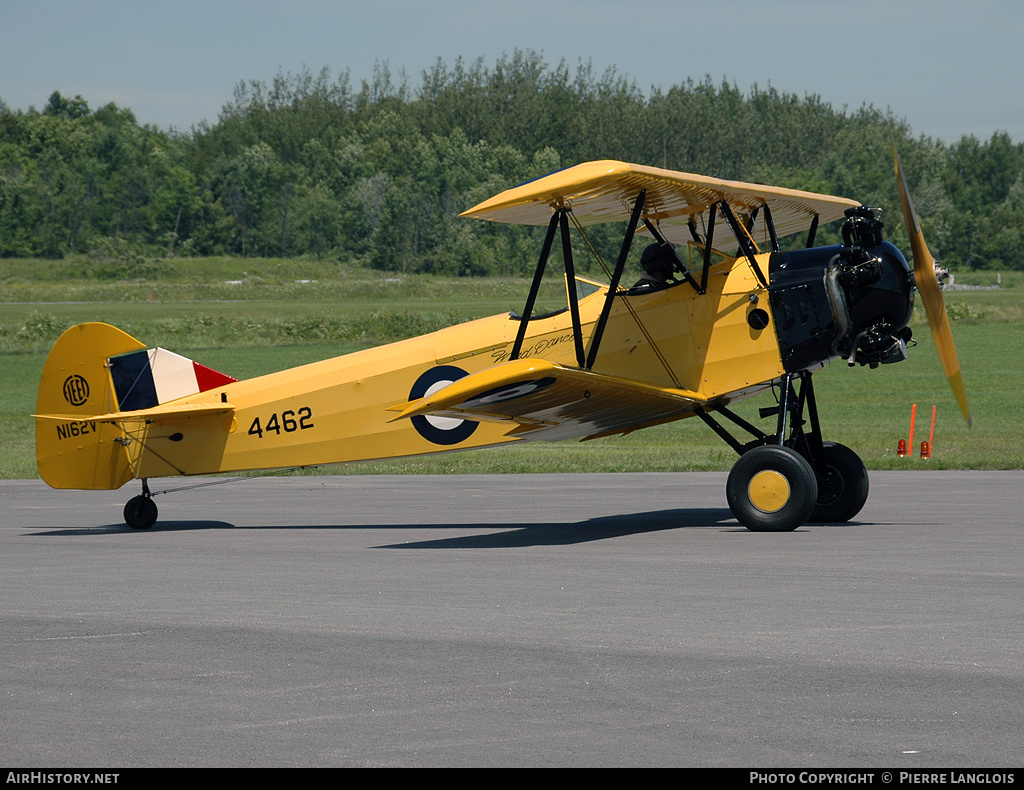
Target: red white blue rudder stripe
(143,379)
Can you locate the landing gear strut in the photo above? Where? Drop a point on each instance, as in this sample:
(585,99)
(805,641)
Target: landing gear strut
(780,481)
(140,511)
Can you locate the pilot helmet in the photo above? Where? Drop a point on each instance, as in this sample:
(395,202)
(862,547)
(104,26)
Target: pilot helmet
(657,261)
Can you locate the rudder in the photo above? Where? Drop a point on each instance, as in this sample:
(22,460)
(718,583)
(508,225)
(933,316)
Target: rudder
(72,449)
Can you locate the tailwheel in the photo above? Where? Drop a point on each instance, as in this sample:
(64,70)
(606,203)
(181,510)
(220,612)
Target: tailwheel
(140,512)
(843,487)
(772,488)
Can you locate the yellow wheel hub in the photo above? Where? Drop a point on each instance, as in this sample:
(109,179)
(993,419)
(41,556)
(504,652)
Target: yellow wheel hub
(768,491)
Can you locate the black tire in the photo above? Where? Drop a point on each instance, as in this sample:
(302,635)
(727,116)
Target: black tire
(771,489)
(140,512)
(843,488)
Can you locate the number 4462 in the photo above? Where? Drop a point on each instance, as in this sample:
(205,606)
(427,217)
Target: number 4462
(289,422)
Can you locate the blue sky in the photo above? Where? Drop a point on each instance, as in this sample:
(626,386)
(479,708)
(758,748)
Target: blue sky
(949,67)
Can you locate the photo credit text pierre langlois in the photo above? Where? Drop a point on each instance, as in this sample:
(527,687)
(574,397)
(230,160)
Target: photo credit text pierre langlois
(883,777)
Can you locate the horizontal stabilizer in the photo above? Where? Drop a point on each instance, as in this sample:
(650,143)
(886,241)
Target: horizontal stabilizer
(551,402)
(158,415)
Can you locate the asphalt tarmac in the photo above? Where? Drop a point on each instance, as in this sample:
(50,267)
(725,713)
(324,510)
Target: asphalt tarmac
(526,620)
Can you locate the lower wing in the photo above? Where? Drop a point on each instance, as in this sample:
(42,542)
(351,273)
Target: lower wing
(543,400)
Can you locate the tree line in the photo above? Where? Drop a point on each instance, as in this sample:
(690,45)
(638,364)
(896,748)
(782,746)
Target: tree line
(311,165)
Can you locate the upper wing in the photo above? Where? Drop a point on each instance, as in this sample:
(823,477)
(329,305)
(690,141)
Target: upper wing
(604,191)
(551,402)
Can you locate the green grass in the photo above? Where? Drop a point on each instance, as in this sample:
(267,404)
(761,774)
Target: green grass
(270,322)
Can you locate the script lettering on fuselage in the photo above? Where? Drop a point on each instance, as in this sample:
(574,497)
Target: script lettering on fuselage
(538,348)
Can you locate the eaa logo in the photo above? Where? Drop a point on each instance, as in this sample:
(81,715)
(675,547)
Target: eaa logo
(76,390)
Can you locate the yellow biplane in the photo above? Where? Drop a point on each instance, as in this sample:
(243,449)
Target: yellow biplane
(687,340)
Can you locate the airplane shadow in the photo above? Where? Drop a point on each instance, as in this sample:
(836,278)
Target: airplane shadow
(121,529)
(489,535)
(518,535)
(604,528)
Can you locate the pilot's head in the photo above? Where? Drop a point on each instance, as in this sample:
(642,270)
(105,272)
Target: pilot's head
(658,262)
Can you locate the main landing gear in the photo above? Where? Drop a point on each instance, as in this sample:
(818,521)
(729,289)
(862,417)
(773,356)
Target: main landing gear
(779,483)
(771,488)
(140,511)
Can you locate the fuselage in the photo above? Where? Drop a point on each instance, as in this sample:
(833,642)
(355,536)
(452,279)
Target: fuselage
(340,409)
(734,339)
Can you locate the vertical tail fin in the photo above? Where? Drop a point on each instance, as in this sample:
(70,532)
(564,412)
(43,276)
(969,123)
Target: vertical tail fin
(94,370)
(77,451)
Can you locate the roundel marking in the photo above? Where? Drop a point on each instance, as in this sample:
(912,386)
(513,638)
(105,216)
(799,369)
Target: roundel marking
(510,392)
(76,390)
(440,430)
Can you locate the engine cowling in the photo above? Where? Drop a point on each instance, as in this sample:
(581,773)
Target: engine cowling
(852,300)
